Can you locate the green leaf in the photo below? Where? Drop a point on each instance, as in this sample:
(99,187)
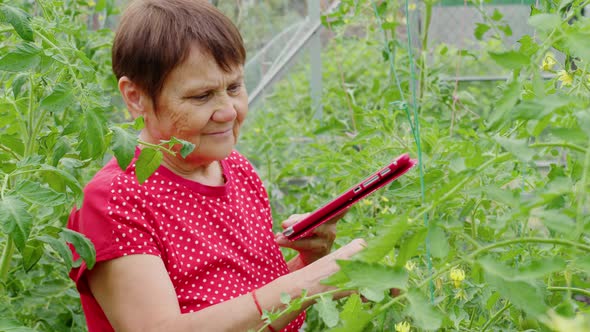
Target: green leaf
(439,244)
(19,19)
(37,194)
(583,263)
(353,316)
(500,195)
(374,276)
(10,325)
(147,163)
(507,101)
(480,30)
(24,57)
(409,247)
(60,98)
(556,221)
(584,120)
(285,298)
(497,15)
(93,136)
(32,254)
(382,245)
(576,42)
(511,59)
(16,220)
(540,267)
(518,148)
(528,46)
(60,246)
(423,313)
(185,150)
(545,22)
(521,294)
(67,178)
(83,245)
(123,145)
(327,310)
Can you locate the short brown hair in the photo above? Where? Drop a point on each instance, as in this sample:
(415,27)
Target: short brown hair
(154,36)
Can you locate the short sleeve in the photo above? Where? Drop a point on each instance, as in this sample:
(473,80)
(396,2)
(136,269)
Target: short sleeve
(115,219)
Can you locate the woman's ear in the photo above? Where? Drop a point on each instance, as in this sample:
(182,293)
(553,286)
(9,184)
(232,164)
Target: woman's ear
(135,98)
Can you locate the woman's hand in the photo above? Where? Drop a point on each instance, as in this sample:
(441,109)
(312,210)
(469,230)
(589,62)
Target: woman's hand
(314,247)
(310,277)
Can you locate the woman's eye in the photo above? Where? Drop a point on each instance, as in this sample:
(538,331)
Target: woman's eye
(235,88)
(202,97)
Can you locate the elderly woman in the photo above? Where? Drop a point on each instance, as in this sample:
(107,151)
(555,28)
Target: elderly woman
(192,248)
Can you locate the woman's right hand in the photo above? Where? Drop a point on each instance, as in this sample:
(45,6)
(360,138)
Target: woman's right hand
(310,277)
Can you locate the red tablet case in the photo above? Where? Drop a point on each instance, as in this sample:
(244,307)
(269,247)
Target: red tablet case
(373,182)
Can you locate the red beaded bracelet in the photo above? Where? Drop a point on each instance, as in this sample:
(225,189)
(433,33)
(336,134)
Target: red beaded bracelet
(259,308)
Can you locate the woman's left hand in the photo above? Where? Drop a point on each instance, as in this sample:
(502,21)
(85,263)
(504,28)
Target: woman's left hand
(315,246)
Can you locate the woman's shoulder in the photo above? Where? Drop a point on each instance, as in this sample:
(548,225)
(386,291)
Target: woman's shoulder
(110,178)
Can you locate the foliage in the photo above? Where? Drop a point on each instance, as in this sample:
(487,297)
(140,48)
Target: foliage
(496,242)
(493,235)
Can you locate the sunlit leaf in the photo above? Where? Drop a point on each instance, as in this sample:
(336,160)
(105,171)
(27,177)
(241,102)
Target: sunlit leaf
(326,307)
(439,244)
(510,59)
(83,245)
(37,194)
(16,220)
(32,254)
(123,145)
(147,163)
(388,237)
(518,148)
(24,57)
(480,30)
(353,316)
(423,313)
(409,247)
(374,276)
(19,19)
(60,246)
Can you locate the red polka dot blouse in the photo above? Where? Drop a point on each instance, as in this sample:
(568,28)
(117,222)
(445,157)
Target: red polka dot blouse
(215,241)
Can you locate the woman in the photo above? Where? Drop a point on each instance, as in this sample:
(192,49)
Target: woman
(192,248)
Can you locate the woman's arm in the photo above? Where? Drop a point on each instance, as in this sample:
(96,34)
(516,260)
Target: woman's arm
(136,294)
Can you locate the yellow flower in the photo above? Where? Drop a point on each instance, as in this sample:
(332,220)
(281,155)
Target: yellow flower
(403,327)
(367,202)
(91,3)
(412,7)
(257,130)
(410,265)
(457,275)
(548,62)
(385,199)
(565,78)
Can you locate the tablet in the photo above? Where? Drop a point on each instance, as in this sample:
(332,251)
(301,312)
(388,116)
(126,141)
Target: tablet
(373,182)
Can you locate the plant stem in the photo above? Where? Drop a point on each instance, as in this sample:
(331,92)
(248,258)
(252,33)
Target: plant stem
(529,240)
(452,191)
(157,147)
(424,48)
(5,261)
(7,149)
(568,289)
(495,316)
(582,196)
(557,145)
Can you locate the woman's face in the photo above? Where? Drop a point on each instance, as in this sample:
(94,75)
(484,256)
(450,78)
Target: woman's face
(202,104)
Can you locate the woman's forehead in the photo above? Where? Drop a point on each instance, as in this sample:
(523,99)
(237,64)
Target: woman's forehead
(201,68)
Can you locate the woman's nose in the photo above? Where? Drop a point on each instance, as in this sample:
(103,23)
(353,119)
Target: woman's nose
(226,110)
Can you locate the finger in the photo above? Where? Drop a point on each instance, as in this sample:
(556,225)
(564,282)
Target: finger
(293,219)
(337,217)
(326,231)
(350,249)
(309,244)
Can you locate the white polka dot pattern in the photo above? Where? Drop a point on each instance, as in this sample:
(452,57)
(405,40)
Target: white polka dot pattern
(216,242)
